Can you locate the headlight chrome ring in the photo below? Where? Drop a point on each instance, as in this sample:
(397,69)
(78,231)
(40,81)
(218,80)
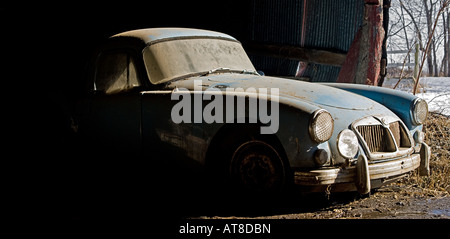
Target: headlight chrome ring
(321,126)
(347,144)
(419,111)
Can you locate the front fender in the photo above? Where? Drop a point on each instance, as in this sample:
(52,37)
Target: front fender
(398,102)
(294,116)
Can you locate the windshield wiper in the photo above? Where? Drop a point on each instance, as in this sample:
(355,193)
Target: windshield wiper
(218,69)
(252,72)
(205,73)
(222,69)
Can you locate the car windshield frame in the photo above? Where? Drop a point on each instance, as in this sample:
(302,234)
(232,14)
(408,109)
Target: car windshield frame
(178,58)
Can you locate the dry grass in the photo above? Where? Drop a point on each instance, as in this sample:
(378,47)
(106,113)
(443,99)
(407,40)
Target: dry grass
(437,135)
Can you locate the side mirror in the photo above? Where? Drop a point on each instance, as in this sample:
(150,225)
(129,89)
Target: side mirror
(261,73)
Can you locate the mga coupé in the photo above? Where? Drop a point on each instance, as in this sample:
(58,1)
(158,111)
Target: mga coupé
(168,91)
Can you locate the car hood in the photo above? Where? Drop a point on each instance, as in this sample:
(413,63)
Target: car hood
(313,93)
(346,107)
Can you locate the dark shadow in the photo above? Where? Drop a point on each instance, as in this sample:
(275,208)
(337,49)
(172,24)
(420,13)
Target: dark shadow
(251,206)
(109,188)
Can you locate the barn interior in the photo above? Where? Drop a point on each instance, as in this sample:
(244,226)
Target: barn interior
(310,40)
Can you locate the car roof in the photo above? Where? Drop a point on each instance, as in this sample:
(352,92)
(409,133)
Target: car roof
(152,35)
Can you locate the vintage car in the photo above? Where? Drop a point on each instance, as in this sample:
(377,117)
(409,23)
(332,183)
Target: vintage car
(191,95)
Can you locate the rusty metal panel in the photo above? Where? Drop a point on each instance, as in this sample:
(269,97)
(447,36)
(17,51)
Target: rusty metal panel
(319,24)
(333,24)
(376,35)
(276,22)
(321,73)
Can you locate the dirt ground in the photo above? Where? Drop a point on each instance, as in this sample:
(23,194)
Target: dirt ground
(390,202)
(411,197)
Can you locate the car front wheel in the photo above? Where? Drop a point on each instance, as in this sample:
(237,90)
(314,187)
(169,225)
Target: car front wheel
(257,167)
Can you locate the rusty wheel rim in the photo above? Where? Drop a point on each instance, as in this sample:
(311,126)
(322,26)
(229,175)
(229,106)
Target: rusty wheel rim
(257,167)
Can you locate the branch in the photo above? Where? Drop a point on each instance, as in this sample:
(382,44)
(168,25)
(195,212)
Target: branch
(445,94)
(413,21)
(444,5)
(400,29)
(403,68)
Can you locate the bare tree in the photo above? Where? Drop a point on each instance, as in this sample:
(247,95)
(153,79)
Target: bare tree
(448,41)
(414,21)
(443,5)
(445,66)
(428,13)
(415,17)
(445,58)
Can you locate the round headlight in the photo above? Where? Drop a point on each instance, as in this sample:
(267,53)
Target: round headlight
(419,111)
(321,126)
(347,144)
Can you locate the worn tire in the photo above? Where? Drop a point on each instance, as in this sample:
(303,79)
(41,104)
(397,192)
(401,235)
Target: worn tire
(257,167)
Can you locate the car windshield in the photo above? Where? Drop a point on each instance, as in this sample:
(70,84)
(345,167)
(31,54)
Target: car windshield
(177,58)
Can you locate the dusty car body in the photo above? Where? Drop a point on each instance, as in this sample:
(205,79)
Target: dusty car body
(330,137)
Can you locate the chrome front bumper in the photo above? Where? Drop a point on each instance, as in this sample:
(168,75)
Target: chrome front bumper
(347,179)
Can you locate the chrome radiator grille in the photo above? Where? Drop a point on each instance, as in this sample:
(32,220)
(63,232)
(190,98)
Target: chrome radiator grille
(376,137)
(383,137)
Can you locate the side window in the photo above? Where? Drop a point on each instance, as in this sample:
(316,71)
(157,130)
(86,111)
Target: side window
(116,72)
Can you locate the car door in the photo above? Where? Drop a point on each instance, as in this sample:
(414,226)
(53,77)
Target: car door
(115,104)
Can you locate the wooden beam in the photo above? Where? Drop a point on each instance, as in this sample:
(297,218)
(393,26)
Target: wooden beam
(399,64)
(317,56)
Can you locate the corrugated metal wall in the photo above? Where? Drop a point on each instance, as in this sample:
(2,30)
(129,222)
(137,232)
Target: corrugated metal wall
(276,22)
(328,24)
(333,24)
